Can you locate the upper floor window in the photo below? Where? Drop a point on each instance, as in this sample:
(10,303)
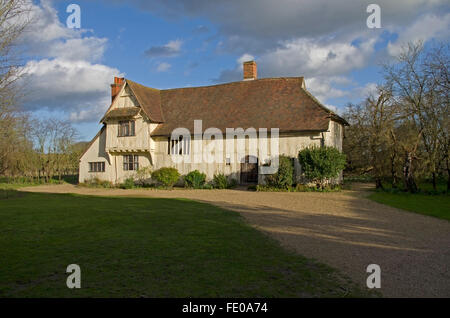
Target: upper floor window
(130,162)
(180,146)
(126,128)
(97,166)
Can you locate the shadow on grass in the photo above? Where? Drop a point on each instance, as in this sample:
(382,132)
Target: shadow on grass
(6,194)
(149,247)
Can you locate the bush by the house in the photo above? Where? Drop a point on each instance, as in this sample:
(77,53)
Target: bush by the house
(220,181)
(97,183)
(232,184)
(166,176)
(284,177)
(321,164)
(299,188)
(195,179)
(143,175)
(128,183)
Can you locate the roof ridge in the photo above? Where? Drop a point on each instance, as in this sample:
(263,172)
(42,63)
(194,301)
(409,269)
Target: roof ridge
(142,103)
(236,82)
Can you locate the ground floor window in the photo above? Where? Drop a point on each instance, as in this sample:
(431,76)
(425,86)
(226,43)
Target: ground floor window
(97,166)
(179,146)
(130,162)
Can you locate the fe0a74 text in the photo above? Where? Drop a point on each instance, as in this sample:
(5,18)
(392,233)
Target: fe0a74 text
(235,307)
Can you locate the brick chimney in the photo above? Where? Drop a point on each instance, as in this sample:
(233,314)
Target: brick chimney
(250,71)
(115,88)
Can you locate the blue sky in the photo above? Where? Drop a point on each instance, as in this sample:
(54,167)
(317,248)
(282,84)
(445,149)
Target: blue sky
(174,43)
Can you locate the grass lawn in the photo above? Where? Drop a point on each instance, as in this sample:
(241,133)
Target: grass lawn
(433,205)
(147,247)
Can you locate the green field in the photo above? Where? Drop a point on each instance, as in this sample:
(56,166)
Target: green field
(432,205)
(146,247)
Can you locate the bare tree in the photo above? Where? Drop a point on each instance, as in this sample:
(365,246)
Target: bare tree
(371,132)
(417,95)
(14,18)
(437,69)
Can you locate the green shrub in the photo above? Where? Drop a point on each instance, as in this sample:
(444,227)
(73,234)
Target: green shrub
(298,188)
(142,176)
(232,184)
(269,188)
(208,186)
(97,183)
(320,164)
(194,179)
(220,181)
(127,184)
(166,176)
(284,177)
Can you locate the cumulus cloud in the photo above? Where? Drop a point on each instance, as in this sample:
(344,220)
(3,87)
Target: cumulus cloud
(70,86)
(426,27)
(318,39)
(163,67)
(172,48)
(322,87)
(64,74)
(307,57)
(269,21)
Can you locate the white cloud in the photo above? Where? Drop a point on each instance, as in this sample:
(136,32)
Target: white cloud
(427,27)
(65,77)
(321,60)
(316,57)
(322,87)
(170,49)
(366,90)
(88,49)
(260,24)
(163,67)
(245,58)
(76,87)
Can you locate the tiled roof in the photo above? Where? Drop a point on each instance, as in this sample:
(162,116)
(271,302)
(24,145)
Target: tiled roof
(149,99)
(264,103)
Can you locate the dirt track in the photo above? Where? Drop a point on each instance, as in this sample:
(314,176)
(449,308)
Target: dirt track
(344,230)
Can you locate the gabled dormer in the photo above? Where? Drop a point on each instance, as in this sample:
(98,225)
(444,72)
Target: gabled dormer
(134,112)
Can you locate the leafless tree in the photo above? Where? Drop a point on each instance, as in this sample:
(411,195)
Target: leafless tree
(417,94)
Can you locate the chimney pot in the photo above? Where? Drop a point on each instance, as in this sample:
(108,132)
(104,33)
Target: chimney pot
(250,71)
(115,88)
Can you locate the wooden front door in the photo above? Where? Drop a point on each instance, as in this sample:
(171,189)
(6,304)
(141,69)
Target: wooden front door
(249,170)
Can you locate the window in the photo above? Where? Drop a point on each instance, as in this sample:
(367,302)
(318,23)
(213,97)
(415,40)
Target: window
(180,146)
(130,162)
(126,128)
(96,166)
(228,161)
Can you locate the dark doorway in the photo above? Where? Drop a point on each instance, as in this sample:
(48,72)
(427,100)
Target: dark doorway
(249,170)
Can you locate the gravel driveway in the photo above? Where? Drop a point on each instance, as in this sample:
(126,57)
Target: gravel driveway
(343,229)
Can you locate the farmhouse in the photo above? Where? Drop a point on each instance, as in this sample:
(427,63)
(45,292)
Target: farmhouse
(138,126)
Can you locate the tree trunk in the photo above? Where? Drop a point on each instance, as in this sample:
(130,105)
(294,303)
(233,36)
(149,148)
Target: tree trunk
(448,175)
(410,183)
(393,173)
(378,184)
(433,179)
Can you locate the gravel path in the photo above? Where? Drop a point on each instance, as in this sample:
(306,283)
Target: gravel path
(343,229)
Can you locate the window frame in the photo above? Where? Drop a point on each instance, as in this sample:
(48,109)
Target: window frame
(130,165)
(130,126)
(97,166)
(184,150)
